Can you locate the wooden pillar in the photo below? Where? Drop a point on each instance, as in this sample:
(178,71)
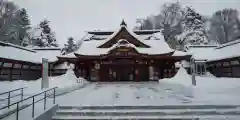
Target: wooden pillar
(21,69)
(231,69)
(11,69)
(88,71)
(162,69)
(159,70)
(1,66)
(173,69)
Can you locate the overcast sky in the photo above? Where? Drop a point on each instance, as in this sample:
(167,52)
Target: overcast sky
(73,17)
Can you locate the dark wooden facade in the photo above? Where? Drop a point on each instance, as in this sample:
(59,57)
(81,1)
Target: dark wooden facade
(125,64)
(21,70)
(229,67)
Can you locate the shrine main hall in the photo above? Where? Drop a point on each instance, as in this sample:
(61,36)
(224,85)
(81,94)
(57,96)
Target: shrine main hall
(125,55)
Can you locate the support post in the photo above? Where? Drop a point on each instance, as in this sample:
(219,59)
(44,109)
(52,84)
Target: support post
(54,95)
(33,102)
(45,97)
(9,96)
(22,93)
(17,111)
(193,72)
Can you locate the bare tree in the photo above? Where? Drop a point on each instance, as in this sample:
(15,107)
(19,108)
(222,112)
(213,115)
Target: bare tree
(223,24)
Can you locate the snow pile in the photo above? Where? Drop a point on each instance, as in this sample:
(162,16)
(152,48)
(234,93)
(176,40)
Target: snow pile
(182,78)
(68,80)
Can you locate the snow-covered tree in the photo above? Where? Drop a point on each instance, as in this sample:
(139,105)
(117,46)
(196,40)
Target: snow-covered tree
(169,19)
(24,24)
(193,29)
(14,23)
(192,20)
(43,36)
(71,46)
(47,34)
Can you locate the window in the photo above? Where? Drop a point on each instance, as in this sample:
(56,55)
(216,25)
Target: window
(7,65)
(200,68)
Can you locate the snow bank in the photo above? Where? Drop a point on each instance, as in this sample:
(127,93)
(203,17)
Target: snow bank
(182,78)
(65,81)
(180,84)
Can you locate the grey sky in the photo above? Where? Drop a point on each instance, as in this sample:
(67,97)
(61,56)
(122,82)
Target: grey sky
(73,17)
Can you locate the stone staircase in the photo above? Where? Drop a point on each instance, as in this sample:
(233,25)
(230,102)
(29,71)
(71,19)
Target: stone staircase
(169,112)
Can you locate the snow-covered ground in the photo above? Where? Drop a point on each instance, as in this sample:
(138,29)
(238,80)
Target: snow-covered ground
(176,90)
(209,89)
(65,83)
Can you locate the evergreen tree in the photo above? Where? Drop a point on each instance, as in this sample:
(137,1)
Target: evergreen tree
(24,26)
(193,29)
(45,37)
(71,46)
(193,20)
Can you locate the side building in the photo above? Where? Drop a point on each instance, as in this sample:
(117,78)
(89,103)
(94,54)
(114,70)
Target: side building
(221,61)
(20,63)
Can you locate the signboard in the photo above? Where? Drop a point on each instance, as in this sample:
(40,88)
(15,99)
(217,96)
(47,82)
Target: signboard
(45,82)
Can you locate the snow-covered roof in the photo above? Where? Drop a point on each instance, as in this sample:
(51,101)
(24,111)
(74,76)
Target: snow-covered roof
(155,41)
(15,52)
(8,51)
(225,51)
(50,54)
(214,53)
(200,53)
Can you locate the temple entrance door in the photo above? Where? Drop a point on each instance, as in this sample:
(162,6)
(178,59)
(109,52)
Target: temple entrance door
(124,73)
(124,69)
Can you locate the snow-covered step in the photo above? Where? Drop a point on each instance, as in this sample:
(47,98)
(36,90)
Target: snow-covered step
(160,117)
(169,112)
(154,107)
(142,112)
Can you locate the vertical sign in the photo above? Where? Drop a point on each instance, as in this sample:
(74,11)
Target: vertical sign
(44,73)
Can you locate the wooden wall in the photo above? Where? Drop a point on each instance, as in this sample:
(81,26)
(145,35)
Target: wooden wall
(225,68)
(15,70)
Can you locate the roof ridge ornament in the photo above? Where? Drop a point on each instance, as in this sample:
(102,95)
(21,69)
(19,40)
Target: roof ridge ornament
(123,23)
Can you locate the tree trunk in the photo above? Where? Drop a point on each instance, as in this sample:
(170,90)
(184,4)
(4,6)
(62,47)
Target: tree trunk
(225,32)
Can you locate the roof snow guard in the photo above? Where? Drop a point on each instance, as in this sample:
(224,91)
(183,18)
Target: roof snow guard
(123,33)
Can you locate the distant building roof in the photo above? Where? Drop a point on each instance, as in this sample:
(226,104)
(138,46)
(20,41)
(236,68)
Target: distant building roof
(215,53)
(19,53)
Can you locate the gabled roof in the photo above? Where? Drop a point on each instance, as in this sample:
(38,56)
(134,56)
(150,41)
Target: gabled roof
(153,44)
(123,33)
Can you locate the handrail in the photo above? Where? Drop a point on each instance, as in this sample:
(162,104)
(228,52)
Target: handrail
(17,103)
(9,95)
(12,90)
